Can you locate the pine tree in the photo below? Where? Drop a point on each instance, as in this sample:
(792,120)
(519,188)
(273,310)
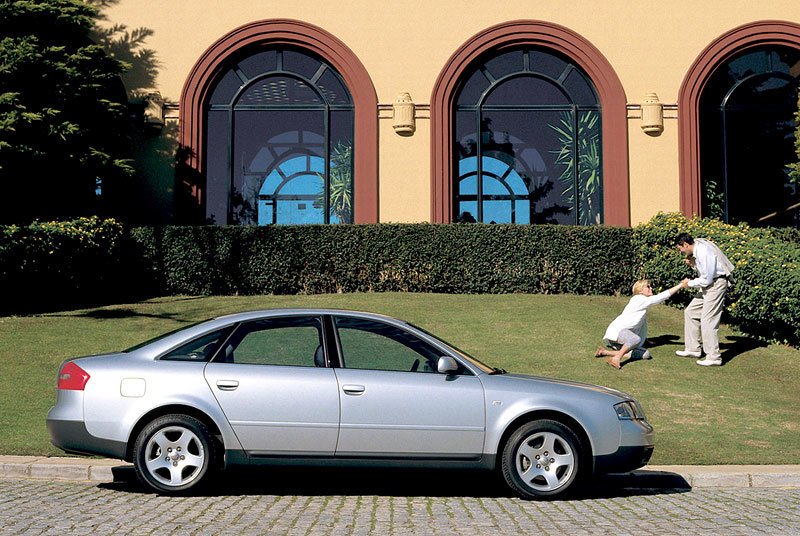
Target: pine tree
(64,121)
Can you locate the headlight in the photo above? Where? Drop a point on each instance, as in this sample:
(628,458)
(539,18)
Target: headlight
(629,410)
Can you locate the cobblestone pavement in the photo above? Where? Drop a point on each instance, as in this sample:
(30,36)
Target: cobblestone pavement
(387,503)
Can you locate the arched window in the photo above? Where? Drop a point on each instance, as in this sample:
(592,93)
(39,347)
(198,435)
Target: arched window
(747,134)
(545,103)
(528,141)
(279,141)
(234,132)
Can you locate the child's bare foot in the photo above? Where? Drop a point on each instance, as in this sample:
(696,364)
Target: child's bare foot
(614,362)
(600,352)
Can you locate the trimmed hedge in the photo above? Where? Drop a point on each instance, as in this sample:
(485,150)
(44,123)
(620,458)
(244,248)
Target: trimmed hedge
(47,264)
(765,298)
(459,258)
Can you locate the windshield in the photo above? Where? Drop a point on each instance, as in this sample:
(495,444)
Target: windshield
(163,335)
(483,366)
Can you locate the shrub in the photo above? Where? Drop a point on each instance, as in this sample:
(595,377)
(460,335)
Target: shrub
(765,299)
(51,263)
(457,258)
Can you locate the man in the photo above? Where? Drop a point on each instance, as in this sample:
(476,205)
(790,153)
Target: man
(703,314)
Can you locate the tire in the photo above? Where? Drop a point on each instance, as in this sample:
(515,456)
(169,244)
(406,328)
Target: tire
(174,454)
(542,460)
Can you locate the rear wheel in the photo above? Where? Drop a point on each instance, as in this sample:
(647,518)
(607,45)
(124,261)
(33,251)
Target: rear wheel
(542,459)
(174,453)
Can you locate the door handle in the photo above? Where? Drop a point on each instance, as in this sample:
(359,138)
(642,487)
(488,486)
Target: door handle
(227,385)
(355,390)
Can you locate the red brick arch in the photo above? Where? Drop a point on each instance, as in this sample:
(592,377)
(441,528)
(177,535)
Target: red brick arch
(616,191)
(721,50)
(309,37)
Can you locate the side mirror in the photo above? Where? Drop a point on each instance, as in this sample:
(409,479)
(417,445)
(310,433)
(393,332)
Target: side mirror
(447,365)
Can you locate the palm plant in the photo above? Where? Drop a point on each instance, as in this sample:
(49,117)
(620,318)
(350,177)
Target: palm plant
(583,135)
(340,188)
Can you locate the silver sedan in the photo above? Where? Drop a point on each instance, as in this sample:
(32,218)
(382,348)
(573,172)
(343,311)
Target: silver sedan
(325,387)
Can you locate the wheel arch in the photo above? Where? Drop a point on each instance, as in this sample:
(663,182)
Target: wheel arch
(180,409)
(587,457)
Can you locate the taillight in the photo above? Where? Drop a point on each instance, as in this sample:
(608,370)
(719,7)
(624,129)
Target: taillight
(72,377)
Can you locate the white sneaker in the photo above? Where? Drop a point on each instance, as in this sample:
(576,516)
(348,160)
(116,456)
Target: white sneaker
(686,353)
(647,355)
(706,362)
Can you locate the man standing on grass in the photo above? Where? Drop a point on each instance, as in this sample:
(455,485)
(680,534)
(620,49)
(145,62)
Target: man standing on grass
(703,314)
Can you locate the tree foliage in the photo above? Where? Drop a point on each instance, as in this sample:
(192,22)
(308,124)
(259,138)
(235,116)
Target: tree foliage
(64,121)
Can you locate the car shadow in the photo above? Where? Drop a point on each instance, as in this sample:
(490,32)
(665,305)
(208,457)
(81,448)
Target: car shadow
(337,481)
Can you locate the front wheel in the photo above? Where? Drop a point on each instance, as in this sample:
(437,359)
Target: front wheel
(174,453)
(541,459)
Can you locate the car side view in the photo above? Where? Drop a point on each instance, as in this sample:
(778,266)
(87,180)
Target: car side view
(332,387)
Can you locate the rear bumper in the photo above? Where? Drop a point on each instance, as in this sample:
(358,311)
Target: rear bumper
(72,436)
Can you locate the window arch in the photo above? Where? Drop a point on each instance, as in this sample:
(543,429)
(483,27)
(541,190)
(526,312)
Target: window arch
(589,76)
(239,96)
(527,122)
(748,65)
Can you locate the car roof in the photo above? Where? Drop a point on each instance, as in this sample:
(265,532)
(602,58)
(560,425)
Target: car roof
(263,313)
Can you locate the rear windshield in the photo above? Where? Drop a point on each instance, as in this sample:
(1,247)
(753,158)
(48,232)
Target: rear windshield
(163,335)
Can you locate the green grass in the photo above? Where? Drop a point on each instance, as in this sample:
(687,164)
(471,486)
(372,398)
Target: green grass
(746,412)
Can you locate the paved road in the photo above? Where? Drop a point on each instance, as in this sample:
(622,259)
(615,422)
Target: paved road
(399,503)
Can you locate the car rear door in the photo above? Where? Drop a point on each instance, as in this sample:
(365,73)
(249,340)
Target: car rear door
(272,381)
(393,402)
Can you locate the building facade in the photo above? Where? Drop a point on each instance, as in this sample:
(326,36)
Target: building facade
(519,112)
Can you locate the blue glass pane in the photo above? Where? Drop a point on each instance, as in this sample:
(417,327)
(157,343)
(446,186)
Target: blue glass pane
(468,185)
(494,166)
(516,183)
(305,184)
(523,214)
(497,211)
(493,186)
(271,184)
(265,212)
(468,208)
(299,212)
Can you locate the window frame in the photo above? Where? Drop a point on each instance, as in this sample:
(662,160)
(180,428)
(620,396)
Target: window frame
(238,326)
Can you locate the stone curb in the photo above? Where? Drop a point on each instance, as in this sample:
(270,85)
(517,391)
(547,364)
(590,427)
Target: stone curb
(651,476)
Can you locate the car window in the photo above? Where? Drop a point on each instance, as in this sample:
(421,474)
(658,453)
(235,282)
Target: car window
(199,349)
(371,345)
(293,341)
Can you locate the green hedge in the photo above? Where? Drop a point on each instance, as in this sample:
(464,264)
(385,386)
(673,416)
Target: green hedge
(765,299)
(458,258)
(47,264)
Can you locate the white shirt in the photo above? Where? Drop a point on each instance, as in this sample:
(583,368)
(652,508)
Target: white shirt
(705,261)
(634,316)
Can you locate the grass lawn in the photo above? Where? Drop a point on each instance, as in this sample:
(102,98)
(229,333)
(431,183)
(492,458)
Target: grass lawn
(745,412)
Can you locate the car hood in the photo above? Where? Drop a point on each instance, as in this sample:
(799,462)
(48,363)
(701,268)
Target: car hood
(539,384)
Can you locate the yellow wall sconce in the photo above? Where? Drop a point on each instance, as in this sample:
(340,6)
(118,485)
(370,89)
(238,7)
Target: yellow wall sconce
(652,115)
(403,115)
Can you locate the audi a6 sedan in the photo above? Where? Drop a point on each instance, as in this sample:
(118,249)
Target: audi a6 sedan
(330,387)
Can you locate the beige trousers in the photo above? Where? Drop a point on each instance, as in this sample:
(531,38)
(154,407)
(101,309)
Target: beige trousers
(701,319)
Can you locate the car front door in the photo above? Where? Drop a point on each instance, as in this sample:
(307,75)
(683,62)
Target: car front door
(394,404)
(272,381)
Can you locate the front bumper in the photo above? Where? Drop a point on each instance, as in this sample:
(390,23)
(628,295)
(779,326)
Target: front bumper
(623,460)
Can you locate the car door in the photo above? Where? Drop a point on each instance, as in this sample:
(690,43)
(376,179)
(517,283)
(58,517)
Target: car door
(272,381)
(395,404)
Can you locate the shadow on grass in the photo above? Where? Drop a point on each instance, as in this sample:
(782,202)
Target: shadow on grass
(337,481)
(661,340)
(734,346)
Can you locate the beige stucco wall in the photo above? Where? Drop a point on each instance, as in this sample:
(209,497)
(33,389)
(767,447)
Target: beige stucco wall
(404,46)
